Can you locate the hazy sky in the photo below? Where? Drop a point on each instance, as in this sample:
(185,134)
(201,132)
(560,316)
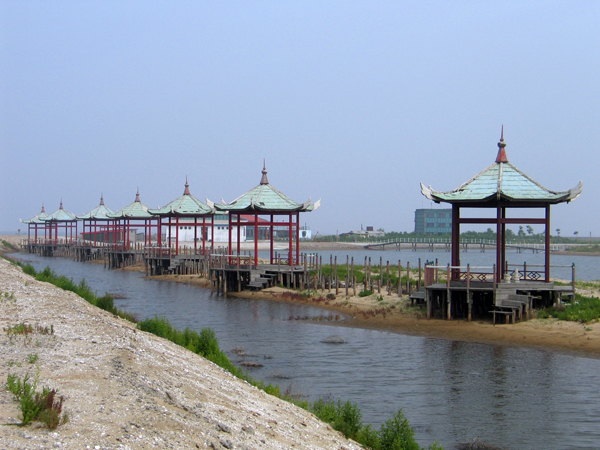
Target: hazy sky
(351,102)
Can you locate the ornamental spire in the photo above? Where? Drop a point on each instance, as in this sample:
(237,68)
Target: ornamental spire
(186,191)
(264,179)
(137,195)
(101,199)
(61,205)
(501,149)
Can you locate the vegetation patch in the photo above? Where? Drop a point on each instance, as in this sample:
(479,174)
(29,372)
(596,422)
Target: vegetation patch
(45,406)
(82,289)
(8,245)
(583,310)
(346,417)
(26,329)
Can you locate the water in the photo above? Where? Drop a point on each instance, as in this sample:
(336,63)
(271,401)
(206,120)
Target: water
(449,391)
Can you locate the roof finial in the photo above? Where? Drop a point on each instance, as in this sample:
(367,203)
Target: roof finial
(43,209)
(186,191)
(264,179)
(61,206)
(137,195)
(501,149)
(101,198)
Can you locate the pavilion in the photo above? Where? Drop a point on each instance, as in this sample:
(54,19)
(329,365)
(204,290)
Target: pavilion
(179,213)
(96,223)
(36,223)
(126,220)
(268,203)
(500,188)
(61,219)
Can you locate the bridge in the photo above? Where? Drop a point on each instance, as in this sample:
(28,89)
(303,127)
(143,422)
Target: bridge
(432,244)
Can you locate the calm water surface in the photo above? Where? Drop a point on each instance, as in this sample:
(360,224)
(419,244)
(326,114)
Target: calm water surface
(450,391)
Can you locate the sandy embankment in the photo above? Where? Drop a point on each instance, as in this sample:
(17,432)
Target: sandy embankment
(125,388)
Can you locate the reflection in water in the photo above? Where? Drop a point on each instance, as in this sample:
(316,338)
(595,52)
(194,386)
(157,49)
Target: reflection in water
(450,391)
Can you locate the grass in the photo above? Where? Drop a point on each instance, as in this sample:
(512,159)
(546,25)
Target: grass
(583,310)
(106,302)
(45,406)
(8,245)
(585,249)
(204,344)
(344,417)
(360,273)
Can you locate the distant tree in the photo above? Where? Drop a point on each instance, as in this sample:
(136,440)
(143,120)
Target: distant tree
(521,232)
(558,232)
(530,230)
(575,233)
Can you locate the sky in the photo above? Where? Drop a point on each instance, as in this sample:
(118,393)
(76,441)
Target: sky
(351,102)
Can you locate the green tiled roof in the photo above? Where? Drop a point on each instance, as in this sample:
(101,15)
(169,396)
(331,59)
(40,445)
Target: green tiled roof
(186,205)
(265,198)
(135,210)
(100,212)
(60,215)
(38,218)
(501,181)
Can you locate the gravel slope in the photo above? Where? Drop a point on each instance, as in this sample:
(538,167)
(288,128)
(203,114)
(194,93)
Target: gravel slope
(125,388)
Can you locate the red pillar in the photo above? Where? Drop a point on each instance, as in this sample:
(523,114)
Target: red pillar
(297,238)
(271,238)
(499,239)
(455,237)
(255,238)
(547,245)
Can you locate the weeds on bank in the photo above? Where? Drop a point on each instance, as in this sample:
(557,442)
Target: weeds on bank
(583,310)
(8,245)
(45,406)
(345,417)
(106,302)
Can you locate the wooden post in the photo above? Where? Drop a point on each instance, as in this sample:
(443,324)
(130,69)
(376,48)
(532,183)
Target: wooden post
(369,276)
(399,279)
(337,284)
(419,282)
(389,285)
(365,277)
(449,296)
(380,275)
(469,299)
(408,285)
(353,278)
(330,271)
(428,303)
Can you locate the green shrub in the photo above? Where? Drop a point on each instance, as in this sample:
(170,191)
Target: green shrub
(397,434)
(43,406)
(365,293)
(583,310)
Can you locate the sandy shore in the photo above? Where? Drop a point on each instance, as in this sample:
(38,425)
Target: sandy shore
(124,388)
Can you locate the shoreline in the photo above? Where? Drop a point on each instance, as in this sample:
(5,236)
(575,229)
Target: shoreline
(393,314)
(367,312)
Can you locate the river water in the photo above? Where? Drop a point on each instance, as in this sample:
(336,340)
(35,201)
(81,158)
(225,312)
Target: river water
(450,391)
